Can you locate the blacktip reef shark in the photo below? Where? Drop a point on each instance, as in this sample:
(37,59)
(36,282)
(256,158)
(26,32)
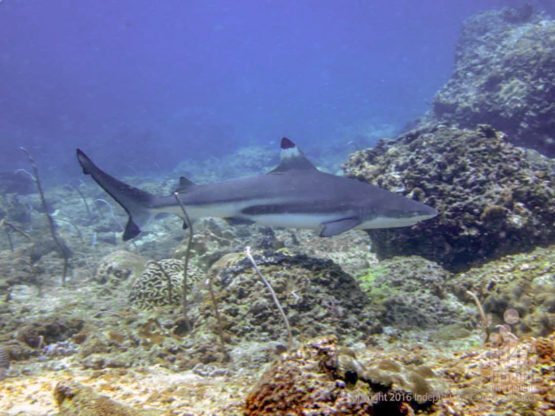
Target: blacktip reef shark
(295,194)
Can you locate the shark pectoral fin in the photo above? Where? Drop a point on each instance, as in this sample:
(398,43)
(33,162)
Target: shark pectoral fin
(238,221)
(332,228)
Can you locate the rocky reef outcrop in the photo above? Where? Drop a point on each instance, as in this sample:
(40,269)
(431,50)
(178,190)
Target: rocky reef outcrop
(504,71)
(317,296)
(493,198)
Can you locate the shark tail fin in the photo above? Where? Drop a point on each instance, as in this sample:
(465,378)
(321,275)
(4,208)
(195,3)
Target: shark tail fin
(135,202)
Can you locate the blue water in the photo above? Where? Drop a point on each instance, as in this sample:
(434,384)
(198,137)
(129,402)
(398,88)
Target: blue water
(145,84)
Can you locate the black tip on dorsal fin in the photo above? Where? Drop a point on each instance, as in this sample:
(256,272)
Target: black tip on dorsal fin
(286,143)
(184,183)
(291,158)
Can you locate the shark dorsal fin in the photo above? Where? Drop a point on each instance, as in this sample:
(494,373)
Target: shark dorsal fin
(184,184)
(292,158)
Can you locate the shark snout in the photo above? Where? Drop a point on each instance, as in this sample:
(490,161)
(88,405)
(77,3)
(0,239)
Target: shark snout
(423,213)
(427,212)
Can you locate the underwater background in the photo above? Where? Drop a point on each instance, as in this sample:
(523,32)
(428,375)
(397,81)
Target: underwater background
(145,85)
(449,103)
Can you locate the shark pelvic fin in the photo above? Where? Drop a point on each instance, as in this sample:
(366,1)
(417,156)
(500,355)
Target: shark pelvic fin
(332,228)
(292,158)
(184,184)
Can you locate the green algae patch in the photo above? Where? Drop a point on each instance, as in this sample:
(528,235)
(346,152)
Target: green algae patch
(409,292)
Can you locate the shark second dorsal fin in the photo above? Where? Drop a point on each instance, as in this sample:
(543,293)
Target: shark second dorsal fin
(184,184)
(291,157)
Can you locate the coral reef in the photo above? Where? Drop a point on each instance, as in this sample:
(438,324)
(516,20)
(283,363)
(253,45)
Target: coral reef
(321,378)
(318,297)
(523,282)
(117,328)
(492,198)
(410,292)
(503,76)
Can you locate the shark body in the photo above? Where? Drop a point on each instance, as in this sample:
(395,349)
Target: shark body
(295,194)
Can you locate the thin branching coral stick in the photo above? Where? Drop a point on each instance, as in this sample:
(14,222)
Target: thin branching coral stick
(15,228)
(274,297)
(63,249)
(184,302)
(219,322)
(484,322)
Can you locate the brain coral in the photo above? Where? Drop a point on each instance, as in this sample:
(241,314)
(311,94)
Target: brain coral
(158,285)
(493,198)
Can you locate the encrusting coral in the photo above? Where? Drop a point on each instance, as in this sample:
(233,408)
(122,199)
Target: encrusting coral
(322,378)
